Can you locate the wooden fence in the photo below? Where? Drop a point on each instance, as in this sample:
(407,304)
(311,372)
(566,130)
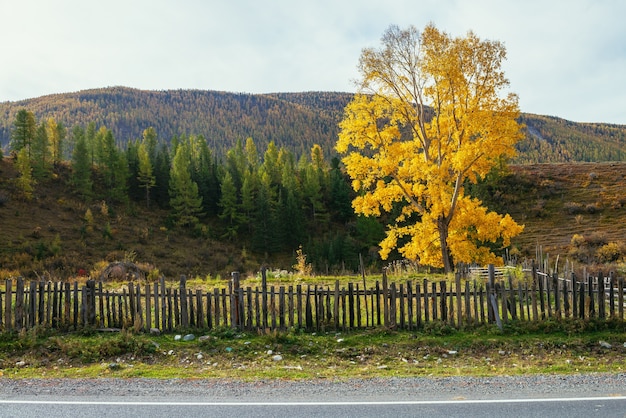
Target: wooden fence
(406,305)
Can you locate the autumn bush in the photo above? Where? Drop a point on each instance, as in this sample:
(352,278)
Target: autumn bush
(610,252)
(595,249)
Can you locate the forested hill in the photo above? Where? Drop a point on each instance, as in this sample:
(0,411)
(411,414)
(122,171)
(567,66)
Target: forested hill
(293,120)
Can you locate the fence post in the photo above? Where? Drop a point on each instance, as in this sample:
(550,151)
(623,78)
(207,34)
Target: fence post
(612,294)
(385,299)
(19,303)
(494,307)
(557,295)
(91,302)
(592,303)
(491,285)
(574,296)
(264,296)
(32,303)
(184,313)
(601,297)
(620,298)
(336,305)
(533,293)
(459,307)
(8,302)
(1,311)
(234,300)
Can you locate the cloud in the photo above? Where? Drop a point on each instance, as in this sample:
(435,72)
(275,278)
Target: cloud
(565,57)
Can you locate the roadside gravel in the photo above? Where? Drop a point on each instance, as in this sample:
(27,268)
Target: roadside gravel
(418,388)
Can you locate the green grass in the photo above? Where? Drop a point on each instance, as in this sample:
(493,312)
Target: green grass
(548,347)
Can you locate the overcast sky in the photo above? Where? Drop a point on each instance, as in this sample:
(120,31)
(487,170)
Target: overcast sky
(566,58)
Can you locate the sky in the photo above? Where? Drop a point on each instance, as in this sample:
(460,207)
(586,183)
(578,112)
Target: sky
(565,58)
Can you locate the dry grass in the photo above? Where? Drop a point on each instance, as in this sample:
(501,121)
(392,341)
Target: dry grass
(50,235)
(596,190)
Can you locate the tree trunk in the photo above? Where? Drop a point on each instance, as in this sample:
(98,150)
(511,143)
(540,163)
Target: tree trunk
(443,242)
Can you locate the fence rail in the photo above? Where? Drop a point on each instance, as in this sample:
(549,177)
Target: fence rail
(404,305)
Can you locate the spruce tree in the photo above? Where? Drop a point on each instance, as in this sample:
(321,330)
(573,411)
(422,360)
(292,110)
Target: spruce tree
(23,132)
(264,232)
(81,164)
(40,152)
(230,211)
(184,199)
(145,176)
(160,193)
(114,167)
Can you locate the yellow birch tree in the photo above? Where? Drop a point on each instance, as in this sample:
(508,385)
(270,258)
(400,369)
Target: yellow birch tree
(430,114)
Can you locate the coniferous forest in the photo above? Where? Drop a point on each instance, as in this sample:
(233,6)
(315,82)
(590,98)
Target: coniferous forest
(267,203)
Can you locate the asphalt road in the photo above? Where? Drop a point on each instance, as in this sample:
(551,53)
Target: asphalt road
(590,407)
(517,396)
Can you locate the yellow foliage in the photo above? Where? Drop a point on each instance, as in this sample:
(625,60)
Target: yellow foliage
(430,116)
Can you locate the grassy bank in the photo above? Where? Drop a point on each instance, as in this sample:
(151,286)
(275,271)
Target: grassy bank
(548,347)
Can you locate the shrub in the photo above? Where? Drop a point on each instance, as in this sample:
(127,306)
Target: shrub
(573,208)
(577,240)
(596,239)
(610,252)
(592,208)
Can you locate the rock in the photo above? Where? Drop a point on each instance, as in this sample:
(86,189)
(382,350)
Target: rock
(189,337)
(277,357)
(177,337)
(120,271)
(114,366)
(204,338)
(20,363)
(270,352)
(453,352)
(155,331)
(604,344)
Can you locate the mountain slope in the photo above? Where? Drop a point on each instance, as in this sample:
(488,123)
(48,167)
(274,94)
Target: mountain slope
(293,120)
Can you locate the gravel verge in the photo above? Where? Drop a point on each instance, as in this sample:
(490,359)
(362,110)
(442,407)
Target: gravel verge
(418,388)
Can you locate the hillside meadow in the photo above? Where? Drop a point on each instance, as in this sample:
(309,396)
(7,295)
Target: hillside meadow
(570,210)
